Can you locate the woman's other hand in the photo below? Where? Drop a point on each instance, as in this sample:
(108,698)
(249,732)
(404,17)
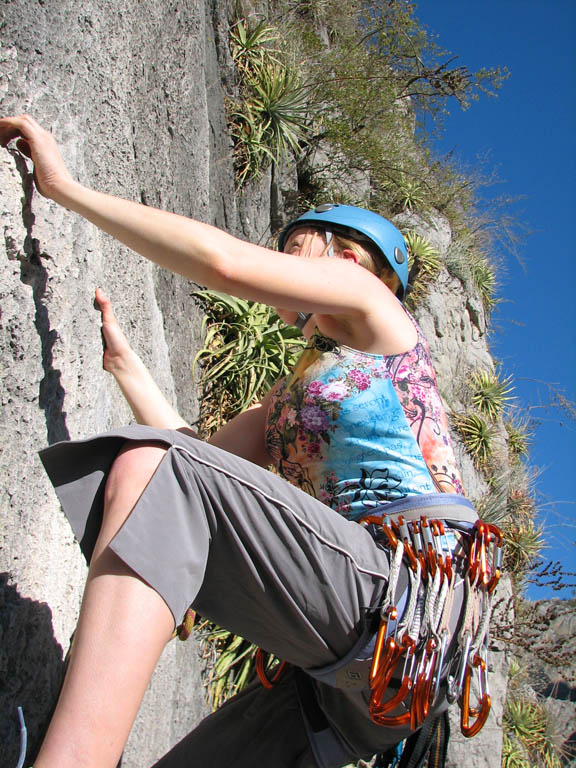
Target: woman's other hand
(117,350)
(142,394)
(50,172)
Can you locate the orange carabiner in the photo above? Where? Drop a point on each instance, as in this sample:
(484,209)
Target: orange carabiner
(390,535)
(422,695)
(443,555)
(429,552)
(261,662)
(391,615)
(485,702)
(378,708)
(478,564)
(417,539)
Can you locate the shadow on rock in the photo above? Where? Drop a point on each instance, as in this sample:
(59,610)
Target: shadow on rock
(31,670)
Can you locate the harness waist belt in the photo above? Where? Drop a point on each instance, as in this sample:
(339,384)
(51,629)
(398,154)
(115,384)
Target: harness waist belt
(441,506)
(352,670)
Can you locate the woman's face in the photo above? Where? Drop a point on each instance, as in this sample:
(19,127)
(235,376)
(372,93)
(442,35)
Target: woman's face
(306,241)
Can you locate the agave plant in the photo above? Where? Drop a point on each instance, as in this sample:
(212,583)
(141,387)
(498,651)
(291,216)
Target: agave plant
(280,100)
(484,279)
(521,504)
(424,263)
(421,253)
(519,436)
(411,194)
(270,117)
(513,755)
(493,505)
(477,436)
(529,736)
(252,153)
(252,45)
(489,393)
(246,349)
(524,541)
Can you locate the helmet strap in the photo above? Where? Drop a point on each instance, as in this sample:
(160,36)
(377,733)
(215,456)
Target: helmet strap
(329,243)
(303,317)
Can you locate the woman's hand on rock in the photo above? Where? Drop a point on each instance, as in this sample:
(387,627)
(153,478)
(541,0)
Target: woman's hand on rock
(117,350)
(50,172)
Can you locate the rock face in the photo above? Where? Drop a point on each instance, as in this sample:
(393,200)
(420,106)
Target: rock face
(133,91)
(548,660)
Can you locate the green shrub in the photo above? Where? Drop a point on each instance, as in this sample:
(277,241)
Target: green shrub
(477,436)
(489,393)
(247,348)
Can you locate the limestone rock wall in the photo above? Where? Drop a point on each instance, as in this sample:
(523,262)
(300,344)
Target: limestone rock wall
(133,91)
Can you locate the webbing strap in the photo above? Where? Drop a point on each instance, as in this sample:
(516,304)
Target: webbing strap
(327,745)
(352,670)
(428,746)
(440,506)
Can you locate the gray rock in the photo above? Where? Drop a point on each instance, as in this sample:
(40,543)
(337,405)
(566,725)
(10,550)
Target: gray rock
(133,93)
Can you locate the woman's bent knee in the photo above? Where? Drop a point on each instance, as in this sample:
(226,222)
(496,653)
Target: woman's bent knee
(134,465)
(129,475)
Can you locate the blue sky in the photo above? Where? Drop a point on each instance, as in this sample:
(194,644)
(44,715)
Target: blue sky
(528,135)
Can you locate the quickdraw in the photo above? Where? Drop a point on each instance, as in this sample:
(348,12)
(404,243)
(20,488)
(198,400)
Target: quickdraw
(419,641)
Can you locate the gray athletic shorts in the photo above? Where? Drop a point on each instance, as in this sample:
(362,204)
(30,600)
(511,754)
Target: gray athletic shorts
(255,555)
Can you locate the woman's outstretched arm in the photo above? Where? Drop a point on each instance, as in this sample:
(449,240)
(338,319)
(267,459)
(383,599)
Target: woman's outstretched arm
(201,252)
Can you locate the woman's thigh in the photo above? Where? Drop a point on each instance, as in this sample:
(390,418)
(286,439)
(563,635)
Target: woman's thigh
(258,727)
(244,547)
(254,554)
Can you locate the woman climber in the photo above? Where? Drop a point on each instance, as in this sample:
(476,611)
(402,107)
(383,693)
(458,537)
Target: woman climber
(372,618)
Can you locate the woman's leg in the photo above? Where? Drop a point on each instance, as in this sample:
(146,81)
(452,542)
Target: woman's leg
(244,547)
(112,658)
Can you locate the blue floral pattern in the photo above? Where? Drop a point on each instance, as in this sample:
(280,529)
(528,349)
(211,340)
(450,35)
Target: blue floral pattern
(356,430)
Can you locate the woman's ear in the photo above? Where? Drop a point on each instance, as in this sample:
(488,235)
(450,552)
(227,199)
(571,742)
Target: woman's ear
(349,254)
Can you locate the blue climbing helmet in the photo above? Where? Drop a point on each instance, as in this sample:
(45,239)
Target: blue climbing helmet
(358,224)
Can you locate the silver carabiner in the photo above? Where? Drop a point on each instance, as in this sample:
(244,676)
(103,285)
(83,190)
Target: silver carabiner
(455,683)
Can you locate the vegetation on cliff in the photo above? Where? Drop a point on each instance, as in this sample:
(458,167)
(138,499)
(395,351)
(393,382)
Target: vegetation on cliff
(343,91)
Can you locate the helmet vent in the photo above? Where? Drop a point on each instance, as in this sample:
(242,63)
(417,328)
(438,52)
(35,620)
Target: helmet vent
(325,207)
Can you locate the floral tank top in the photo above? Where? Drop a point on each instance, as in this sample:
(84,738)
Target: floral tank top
(356,430)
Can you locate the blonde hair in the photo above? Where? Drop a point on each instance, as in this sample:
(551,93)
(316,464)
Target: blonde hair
(371,258)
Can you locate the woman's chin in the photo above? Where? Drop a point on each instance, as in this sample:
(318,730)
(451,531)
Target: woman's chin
(287,316)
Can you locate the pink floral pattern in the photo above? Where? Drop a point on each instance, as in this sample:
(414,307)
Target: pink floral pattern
(356,430)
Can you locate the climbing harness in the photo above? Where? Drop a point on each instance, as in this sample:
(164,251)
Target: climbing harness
(417,645)
(414,649)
